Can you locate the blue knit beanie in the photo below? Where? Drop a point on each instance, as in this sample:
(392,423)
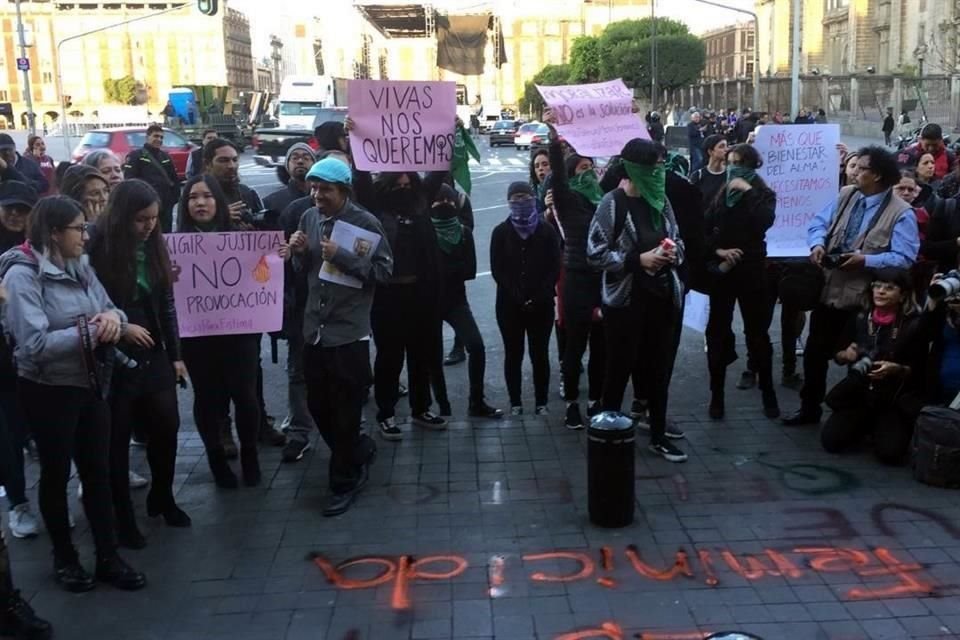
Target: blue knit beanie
(331,170)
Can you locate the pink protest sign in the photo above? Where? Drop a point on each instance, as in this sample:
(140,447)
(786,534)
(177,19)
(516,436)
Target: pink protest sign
(595,119)
(227,283)
(401,125)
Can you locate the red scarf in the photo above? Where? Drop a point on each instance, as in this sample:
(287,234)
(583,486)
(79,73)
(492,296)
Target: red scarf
(883,317)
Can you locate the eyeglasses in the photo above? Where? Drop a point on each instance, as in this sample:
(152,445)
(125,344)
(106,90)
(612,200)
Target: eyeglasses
(82,227)
(884,286)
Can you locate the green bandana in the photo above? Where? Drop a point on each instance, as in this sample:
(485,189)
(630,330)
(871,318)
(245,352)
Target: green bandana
(734,172)
(588,185)
(143,282)
(463,150)
(449,233)
(651,182)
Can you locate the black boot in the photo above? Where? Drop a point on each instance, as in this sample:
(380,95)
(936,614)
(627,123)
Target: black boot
(222,473)
(173,515)
(128,533)
(480,409)
(113,570)
(18,619)
(718,376)
(771,409)
(250,465)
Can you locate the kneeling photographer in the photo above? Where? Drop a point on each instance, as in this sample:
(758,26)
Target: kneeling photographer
(941,319)
(886,354)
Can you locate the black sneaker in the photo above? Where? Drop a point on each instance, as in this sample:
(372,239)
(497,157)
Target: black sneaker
(748,380)
(19,619)
(792,381)
(672,430)
(338,503)
(638,409)
(482,410)
(574,420)
(667,451)
(114,571)
(73,577)
(456,356)
(389,430)
(294,450)
(428,420)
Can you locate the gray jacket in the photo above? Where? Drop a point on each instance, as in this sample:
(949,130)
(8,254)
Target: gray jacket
(43,303)
(337,315)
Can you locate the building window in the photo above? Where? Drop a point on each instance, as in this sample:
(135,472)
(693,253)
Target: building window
(47,77)
(3,96)
(837,4)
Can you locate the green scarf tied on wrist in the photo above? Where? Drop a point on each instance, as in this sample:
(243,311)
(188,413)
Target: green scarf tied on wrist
(734,172)
(143,280)
(651,182)
(588,185)
(449,233)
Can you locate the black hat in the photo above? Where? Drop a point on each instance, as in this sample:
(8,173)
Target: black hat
(519,187)
(16,192)
(6,142)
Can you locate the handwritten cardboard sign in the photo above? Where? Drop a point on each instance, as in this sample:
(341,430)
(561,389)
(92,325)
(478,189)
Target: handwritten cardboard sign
(402,125)
(802,165)
(227,283)
(596,119)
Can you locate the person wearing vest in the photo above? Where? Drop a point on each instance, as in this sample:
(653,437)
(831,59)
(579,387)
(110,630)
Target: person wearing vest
(867,228)
(154,166)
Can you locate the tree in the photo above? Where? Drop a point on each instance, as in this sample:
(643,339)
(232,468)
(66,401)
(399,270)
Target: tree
(125,90)
(625,53)
(550,76)
(634,30)
(585,59)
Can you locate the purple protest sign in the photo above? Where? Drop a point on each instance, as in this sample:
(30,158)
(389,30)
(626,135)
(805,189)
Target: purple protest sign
(227,283)
(595,119)
(401,125)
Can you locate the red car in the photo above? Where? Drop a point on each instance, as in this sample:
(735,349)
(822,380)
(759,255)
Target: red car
(123,140)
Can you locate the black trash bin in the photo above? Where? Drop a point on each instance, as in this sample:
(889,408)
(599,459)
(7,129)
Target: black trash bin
(610,489)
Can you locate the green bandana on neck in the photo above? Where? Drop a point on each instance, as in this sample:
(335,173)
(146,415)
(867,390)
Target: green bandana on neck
(651,183)
(449,233)
(734,172)
(588,185)
(143,281)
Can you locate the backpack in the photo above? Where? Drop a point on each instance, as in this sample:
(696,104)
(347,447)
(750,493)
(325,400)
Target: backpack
(935,448)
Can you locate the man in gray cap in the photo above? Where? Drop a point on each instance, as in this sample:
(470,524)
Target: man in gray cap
(28,168)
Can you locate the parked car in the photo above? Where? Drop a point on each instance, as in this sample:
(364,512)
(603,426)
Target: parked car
(521,139)
(487,122)
(502,132)
(541,138)
(125,139)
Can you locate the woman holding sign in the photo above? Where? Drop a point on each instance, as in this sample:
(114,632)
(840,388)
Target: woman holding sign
(130,257)
(223,368)
(736,224)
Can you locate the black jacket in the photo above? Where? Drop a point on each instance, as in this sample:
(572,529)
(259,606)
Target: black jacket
(574,212)
(457,267)
(906,345)
(30,170)
(278,201)
(525,270)
(425,253)
(940,243)
(688,209)
(154,167)
(743,226)
(11,173)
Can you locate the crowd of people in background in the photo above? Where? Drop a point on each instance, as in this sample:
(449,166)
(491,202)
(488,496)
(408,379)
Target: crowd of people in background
(601,258)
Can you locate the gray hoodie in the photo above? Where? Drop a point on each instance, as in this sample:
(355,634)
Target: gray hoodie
(43,303)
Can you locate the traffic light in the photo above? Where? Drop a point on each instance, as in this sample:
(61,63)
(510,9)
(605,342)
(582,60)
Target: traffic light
(208,7)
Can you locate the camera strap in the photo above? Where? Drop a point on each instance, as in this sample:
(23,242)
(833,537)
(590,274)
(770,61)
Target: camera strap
(89,359)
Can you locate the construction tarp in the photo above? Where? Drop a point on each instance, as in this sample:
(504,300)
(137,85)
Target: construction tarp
(462,41)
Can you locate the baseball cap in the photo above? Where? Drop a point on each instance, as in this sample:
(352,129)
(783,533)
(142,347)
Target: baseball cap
(15,192)
(6,142)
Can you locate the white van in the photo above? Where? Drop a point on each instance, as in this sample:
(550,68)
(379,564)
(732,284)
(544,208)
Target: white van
(301,98)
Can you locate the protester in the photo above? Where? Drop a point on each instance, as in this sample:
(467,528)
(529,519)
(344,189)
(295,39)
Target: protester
(27,167)
(458,264)
(336,327)
(524,262)
(108,164)
(154,166)
(931,141)
(300,157)
(950,185)
(642,291)
(223,368)
(888,126)
(406,316)
(867,227)
(848,171)
(37,151)
(942,241)
(130,257)
(712,178)
(17,199)
(821,117)
(574,195)
(50,286)
(88,187)
(736,224)
(925,171)
(885,350)
(195,163)
(695,140)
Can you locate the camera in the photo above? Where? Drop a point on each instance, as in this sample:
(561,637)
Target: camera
(862,367)
(946,286)
(832,260)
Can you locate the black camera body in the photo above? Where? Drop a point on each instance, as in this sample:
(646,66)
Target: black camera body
(946,286)
(863,366)
(833,260)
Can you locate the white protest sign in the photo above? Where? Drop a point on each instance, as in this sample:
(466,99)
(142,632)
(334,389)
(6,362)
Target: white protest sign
(696,311)
(801,164)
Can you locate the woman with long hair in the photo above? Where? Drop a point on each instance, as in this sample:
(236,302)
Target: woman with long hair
(87,186)
(65,329)
(37,151)
(848,170)
(108,164)
(130,257)
(736,224)
(222,368)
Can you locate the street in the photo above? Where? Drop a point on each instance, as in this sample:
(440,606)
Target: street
(482,531)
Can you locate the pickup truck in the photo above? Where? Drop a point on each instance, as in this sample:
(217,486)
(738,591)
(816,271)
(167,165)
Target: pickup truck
(270,145)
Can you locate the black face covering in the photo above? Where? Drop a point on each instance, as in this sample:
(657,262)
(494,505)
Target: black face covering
(443,212)
(402,201)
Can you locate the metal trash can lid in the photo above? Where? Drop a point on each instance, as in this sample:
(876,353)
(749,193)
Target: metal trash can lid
(611,421)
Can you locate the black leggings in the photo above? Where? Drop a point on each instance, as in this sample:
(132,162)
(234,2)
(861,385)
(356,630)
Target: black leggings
(71,423)
(460,317)
(518,324)
(579,335)
(224,369)
(157,414)
(12,439)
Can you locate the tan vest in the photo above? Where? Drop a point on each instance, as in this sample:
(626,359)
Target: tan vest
(848,289)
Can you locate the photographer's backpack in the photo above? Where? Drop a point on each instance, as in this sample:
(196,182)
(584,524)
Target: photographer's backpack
(935,449)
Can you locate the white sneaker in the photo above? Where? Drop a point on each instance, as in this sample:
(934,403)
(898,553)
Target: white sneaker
(137,481)
(23,524)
